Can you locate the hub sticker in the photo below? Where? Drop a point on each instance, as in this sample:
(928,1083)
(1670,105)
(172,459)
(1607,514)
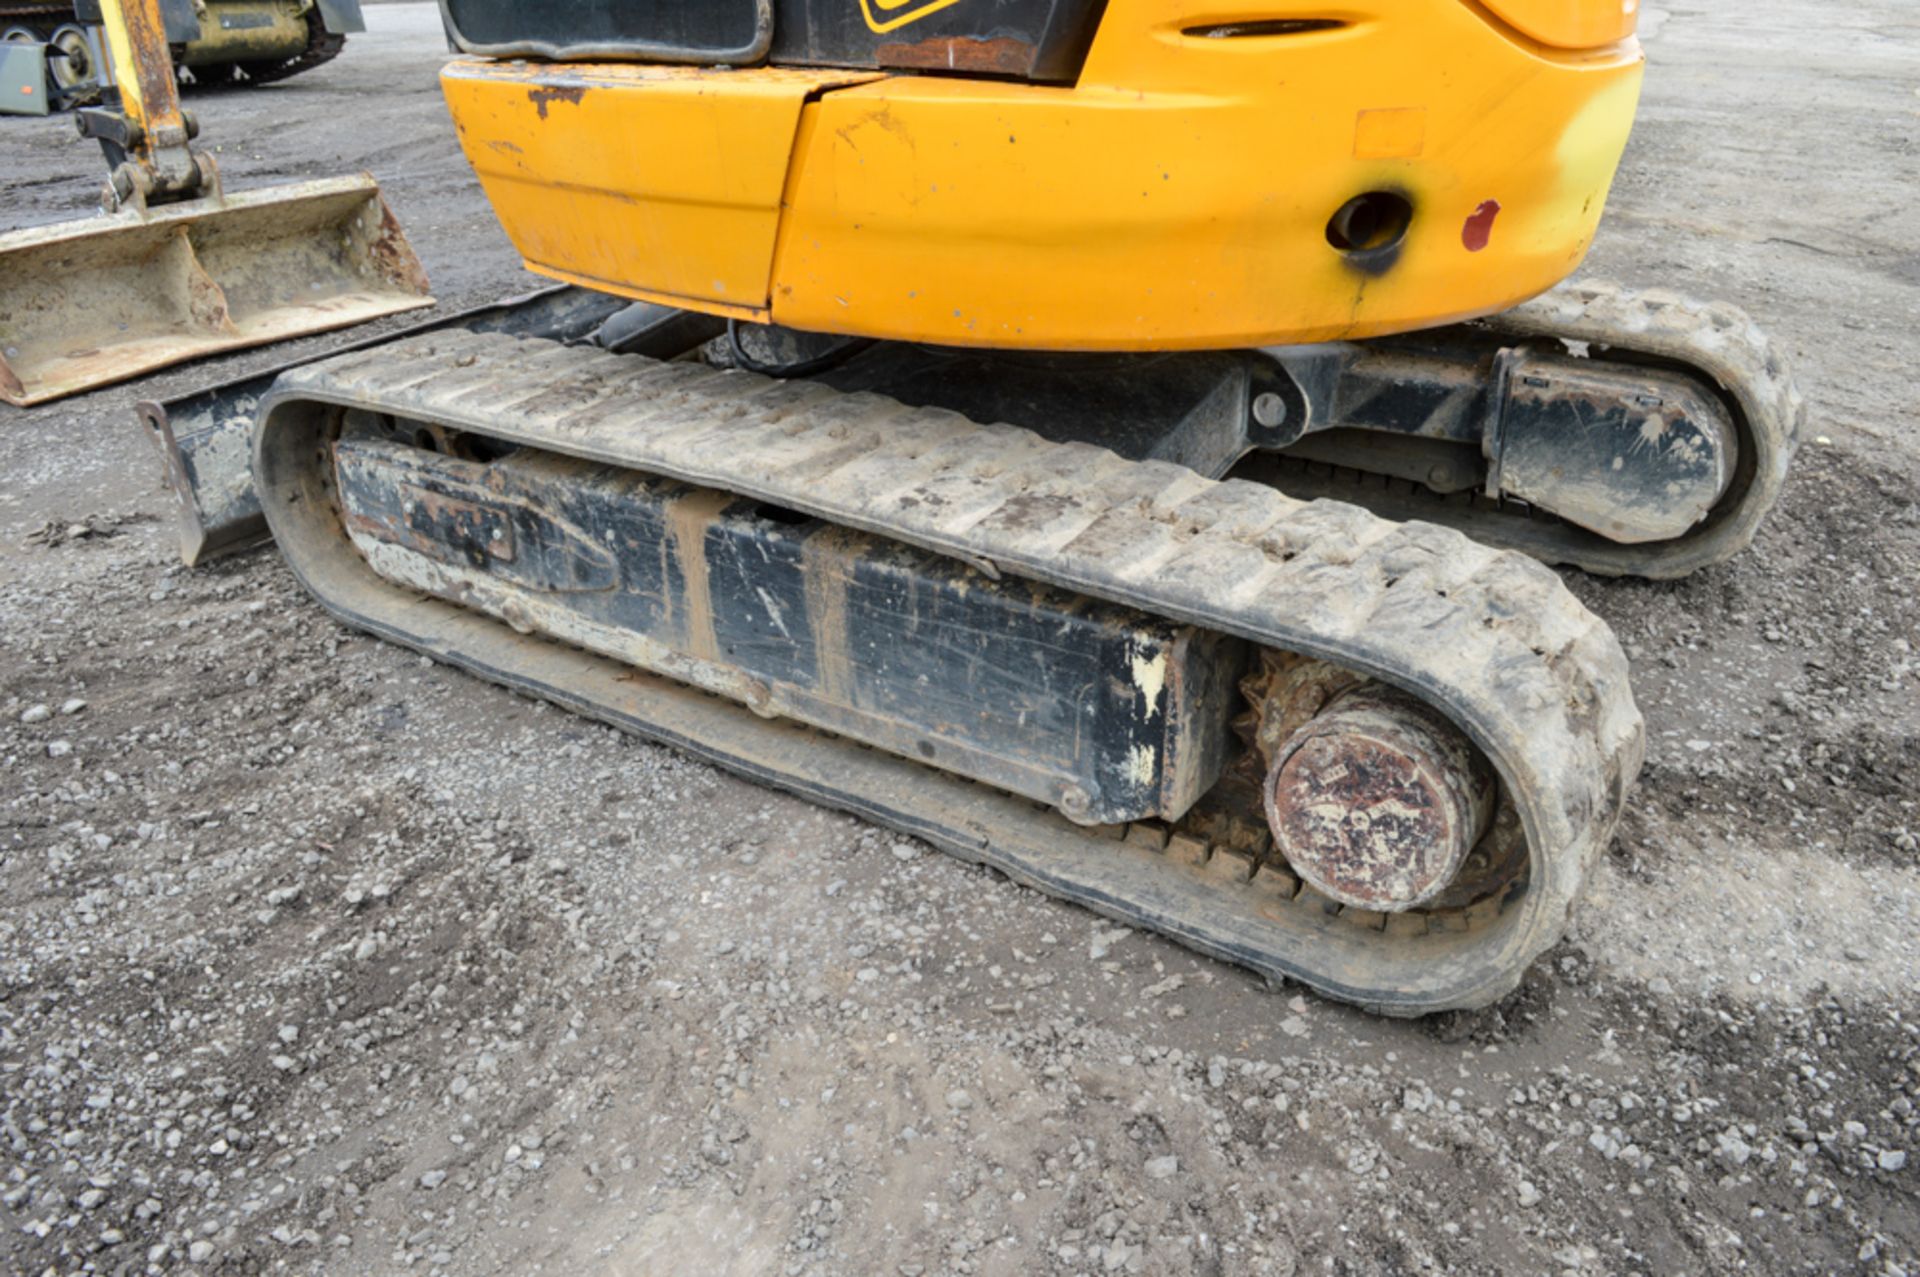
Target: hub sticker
(890,15)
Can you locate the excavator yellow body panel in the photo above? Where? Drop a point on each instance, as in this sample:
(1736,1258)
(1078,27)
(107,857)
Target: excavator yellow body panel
(1208,180)
(661,182)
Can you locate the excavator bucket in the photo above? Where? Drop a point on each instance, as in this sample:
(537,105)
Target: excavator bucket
(101,300)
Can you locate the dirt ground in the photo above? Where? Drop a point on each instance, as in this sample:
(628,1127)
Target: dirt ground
(316,957)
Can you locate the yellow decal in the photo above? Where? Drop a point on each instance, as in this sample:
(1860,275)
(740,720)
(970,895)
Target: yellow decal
(890,19)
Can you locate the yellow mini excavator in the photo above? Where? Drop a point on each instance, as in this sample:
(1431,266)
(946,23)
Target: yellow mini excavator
(1116,442)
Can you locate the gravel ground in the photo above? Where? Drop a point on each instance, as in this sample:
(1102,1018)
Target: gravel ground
(316,957)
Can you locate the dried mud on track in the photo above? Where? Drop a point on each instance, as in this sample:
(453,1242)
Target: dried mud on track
(318,958)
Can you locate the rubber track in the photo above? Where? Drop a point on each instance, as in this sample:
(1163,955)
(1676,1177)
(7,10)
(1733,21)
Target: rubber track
(322,46)
(1491,637)
(1717,340)
(15,13)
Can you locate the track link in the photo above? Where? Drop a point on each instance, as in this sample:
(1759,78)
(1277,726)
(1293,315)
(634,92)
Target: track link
(323,46)
(1492,639)
(54,15)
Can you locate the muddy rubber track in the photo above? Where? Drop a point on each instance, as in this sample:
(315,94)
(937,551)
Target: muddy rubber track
(1492,638)
(1715,342)
(1718,340)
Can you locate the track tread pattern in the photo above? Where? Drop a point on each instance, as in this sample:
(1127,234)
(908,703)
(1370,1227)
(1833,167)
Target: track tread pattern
(323,46)
(1492,637)
(1718,339)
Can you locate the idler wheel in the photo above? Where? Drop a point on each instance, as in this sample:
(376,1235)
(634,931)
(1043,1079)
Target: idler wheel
(1377,800)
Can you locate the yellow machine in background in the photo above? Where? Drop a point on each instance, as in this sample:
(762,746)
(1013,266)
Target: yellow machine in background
(219,41)
(178,269)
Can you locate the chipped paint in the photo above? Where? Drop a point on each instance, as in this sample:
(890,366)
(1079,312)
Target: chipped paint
(1143,765)
(1150,676)
(1017,688)
(541,95)
(774,613)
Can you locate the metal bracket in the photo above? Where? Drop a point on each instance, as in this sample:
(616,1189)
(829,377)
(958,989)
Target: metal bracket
(1492,438)
(341,17)
(1292,392)
(109,127)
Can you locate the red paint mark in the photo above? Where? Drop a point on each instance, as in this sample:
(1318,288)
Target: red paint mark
(1479,225)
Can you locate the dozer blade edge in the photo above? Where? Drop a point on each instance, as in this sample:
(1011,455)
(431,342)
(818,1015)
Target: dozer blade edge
(205,436)
(1490,640)
(91,302)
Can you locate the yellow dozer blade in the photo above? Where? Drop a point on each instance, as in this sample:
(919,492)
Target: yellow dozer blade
(91,302)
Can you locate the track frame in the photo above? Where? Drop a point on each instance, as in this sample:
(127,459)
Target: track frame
(1492,640)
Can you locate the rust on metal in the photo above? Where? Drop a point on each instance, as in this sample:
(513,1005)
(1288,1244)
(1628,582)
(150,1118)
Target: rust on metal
(541,95)
(1377,801)
(391,256)
(1284,692)
(434,524)
(1003,55)
(159,102)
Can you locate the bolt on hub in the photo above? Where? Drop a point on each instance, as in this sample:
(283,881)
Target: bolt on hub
(1378,800)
